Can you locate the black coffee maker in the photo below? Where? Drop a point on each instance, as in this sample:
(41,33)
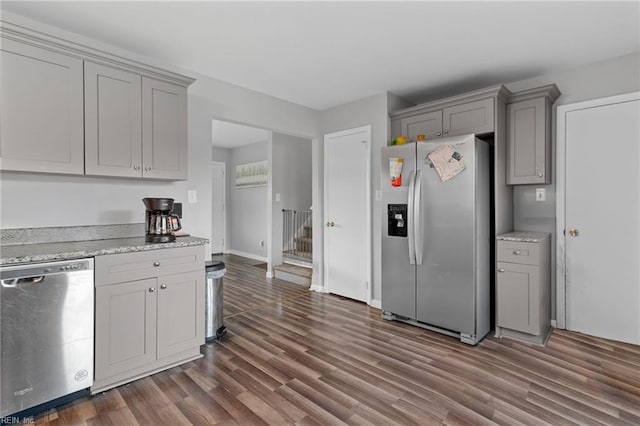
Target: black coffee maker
(160,224)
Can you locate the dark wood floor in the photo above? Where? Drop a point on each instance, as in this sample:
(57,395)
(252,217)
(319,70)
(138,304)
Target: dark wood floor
(298,357)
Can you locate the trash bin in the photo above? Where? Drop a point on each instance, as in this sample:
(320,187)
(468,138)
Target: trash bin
(214,329)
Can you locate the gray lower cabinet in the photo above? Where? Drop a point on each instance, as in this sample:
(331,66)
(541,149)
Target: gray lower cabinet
(42,110)
(523,288)
(529,136)
(145,325)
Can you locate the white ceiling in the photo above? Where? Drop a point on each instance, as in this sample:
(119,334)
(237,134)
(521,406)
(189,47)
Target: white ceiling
(322,54)
(231,135)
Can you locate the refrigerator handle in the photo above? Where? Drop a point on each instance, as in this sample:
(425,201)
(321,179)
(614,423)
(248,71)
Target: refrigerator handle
(410,219)
(417,222)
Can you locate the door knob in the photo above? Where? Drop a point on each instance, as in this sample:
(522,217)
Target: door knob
(573,232)
(331,224)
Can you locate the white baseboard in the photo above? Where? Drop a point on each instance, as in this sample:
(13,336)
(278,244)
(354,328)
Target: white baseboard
(317,288)
(376,303)
(554,324)
(269,275)
(248,255)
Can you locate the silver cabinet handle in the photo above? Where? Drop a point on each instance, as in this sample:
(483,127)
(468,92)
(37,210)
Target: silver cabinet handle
(136,167)
(331,224)
(156,263)
(147,168)
(516,252)
(151,289)
(540,174)
(438,134)
(446,131)
(163,287)
(500,270)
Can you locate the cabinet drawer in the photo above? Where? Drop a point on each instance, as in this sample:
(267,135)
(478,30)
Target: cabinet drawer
(117,268)
(518,252)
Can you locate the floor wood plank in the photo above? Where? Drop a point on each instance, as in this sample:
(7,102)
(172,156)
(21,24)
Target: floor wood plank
(293,356)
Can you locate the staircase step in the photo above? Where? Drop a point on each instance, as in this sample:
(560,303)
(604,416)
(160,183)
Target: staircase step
(293,273)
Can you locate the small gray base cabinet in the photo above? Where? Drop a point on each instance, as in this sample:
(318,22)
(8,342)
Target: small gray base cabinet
(523,286)
(149,313)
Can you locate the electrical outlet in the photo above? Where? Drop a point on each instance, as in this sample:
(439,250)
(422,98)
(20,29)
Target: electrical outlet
(193,196)
(541,194)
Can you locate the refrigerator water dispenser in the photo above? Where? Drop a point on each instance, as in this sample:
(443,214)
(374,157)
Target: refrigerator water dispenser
(397,218)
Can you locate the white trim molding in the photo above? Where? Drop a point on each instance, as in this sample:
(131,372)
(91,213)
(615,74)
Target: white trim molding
(248,255)
(375,303)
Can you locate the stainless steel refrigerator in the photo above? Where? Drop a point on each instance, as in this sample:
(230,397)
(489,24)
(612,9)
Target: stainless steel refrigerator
(436,236)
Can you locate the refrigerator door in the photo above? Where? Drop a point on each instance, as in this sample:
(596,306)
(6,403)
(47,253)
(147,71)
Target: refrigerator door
(398,274)
(445,292)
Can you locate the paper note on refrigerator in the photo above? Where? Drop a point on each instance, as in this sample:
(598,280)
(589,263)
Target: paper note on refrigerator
(447,162)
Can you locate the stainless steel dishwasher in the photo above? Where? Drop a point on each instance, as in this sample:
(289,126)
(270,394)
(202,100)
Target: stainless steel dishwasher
(46,327)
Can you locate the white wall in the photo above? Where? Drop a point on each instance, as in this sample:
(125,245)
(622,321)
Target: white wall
(30,200)
(247,208)
(291,178)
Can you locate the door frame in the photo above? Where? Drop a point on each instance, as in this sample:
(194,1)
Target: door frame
(561,146)
(224,198)
(368,252)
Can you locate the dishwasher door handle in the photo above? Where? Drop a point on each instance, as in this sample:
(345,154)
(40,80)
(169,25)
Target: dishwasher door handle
(22,282)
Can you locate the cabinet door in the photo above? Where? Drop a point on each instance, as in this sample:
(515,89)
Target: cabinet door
(518,297)
(164,130)
(473,117)
(180,312)
(42,110)
(113,122)
(429,124)
(125,327)
(528,143)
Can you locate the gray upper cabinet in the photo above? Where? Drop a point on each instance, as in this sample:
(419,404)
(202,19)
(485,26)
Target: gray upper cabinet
(471,117)
(134,126)
(72,109)
(113,121)
(428,124)
(529,136)
(164,130)
(42,110)
(460,115)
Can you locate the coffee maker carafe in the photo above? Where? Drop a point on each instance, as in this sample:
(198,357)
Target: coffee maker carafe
(161,224)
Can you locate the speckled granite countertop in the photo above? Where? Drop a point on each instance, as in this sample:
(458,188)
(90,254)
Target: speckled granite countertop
(52,251)
(524,237)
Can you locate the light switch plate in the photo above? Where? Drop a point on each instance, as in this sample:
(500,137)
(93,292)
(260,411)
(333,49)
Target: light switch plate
(277,197)
(193,196)
(541,194)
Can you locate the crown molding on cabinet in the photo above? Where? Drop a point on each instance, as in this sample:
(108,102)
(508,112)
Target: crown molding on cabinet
(550,92)
(26,35)
(500,92)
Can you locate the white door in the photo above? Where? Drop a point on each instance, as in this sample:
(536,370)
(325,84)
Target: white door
(217,207)
(347,213)
(602,210)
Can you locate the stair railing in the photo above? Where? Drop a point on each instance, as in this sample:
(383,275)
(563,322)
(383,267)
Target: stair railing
(296,234)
